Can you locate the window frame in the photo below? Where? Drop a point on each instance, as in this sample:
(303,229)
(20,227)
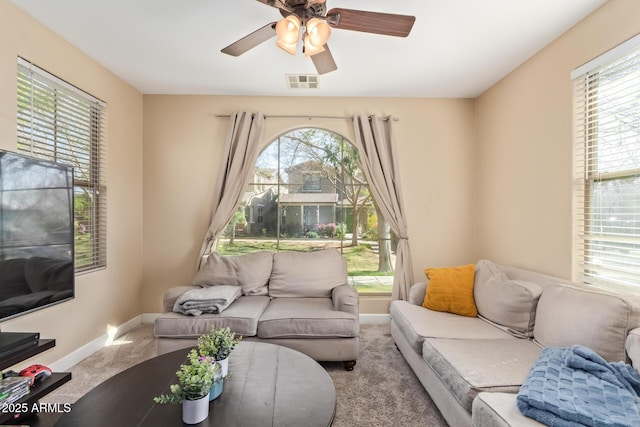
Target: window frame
(311,182)
(83,116)
(297,182)
(604,251)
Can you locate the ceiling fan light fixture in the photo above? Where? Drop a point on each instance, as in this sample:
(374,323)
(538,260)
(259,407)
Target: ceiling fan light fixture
(318,32)
(310,49)
(318,24)
(290,48)
(288,29)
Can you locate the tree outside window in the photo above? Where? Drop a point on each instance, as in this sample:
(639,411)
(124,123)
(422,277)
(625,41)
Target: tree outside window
(308,193)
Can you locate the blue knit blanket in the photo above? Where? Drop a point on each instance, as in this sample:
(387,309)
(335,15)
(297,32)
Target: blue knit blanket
(570,387)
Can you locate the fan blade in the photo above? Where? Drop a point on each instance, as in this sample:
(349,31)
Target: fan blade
(324,62)
(278,4)
(388,24)
(250,41)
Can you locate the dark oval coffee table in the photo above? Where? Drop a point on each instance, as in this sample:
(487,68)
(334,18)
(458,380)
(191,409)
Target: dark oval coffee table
(270,385)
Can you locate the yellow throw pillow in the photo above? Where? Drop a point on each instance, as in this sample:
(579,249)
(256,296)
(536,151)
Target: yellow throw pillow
(451,289)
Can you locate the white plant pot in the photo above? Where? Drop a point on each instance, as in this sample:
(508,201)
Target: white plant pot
(195,411)
(225,366)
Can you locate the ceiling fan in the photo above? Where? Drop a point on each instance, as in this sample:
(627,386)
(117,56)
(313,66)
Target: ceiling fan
(317,23)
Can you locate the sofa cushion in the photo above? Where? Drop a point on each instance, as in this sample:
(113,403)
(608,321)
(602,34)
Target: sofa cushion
(307,274)
(241,316)
(469,366)
(632,346)
(417,293)
(486,270)
(498,410)
(451,290)
(568,316)
(417,322)
(543,280)
(511,304)
(306,318)
(250,271)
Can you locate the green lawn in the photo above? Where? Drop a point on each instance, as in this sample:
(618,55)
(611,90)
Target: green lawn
(373,289)
(83,250)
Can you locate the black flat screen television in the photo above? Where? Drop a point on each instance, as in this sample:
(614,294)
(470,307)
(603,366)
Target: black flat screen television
(36,234)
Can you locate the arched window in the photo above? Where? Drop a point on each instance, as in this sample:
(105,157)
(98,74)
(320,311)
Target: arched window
(308,193)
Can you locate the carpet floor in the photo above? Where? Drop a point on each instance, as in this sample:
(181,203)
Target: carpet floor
(382,390)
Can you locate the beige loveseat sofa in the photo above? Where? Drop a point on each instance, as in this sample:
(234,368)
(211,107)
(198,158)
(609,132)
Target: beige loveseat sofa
(473,367)
(298,300)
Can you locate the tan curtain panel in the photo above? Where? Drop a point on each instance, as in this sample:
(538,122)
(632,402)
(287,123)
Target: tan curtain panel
(376,145)
(242,147)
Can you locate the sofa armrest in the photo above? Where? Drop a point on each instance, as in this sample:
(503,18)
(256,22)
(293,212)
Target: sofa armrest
(345,298)
(417,293)
(632,345)
(171,296)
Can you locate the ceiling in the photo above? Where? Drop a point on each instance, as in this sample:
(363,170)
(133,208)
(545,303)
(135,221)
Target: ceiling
(457,48)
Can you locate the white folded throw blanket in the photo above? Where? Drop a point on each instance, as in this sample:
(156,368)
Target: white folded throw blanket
(212,299)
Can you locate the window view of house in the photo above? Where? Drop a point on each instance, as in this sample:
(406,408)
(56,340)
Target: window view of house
(308,193)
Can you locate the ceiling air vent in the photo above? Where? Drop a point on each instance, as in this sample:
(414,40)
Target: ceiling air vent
(302,81)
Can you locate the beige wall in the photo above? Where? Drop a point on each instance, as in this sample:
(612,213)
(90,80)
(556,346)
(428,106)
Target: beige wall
(523,193)
(488,178)
(111,296)
(183,143)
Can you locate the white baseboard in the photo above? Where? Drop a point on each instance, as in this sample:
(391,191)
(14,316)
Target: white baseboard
(376,319)
(66,362)
(150,317)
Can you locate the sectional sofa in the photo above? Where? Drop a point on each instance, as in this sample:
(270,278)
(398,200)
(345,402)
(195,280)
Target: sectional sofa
(473,367)
(299,300)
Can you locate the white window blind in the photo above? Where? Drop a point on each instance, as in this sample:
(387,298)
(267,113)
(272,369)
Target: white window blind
(61,123)
(607,132)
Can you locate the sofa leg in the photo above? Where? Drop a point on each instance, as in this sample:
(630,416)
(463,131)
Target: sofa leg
(349,364)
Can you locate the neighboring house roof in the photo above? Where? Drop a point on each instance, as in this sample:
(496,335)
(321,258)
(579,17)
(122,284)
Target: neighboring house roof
(250,195)
(308,198)
(308,165)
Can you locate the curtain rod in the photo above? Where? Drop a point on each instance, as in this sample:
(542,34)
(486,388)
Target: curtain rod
(277,116)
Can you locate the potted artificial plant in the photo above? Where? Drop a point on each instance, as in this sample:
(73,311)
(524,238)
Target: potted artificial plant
(218,345)
(195,381)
